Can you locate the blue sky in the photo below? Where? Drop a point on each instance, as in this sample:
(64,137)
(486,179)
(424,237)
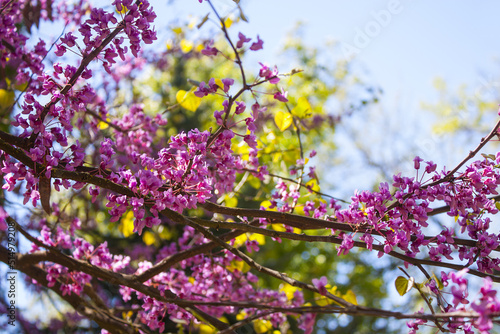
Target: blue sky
(406,45)
(452,39)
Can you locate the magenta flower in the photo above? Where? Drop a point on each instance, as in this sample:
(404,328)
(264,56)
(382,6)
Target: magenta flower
(240,107)
(257,45)
(60,50)
(417,161)
(320,284)
(242,39)
(281,96)
(268,74)
(209,50)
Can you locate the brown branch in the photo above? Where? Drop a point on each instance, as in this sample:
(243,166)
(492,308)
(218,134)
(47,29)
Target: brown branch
(226,35)
(173,259)
(301,222)
(6,5)
(55,255)
(338,240)
(260,268)
(471,154)
(102,317)
(24,264)
(97,116)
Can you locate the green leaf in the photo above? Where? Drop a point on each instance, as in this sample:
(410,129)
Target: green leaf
(203,20)
(403,285)
(242,15)
(283,120)
(489,156)
(440,285)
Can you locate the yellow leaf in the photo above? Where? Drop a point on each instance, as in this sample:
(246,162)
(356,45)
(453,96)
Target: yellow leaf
(278,227)
(127,315)
(242,315)
(165,233)
(123,11)
(186,45)
(313,185)
(262,326)
(350,297)
(127,224)
(322,300)
(302,109)
(228,22)
(266,204)
(188,100)
(199,47)
(231,202)
(240,265)
(102,125)
(289,291)
(261,240)
(207,329)
(219,83)
(403,285)
(240,240)
(438,282)
(148,237)
(254,182)
(7,98)
(21,87)
(283,120)
(177,30)
(299,210)
(191,279)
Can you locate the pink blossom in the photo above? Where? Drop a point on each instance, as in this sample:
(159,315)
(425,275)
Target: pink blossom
(281,96)
(320,284)
(257,45)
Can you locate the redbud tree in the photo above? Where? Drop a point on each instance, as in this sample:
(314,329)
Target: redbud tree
(153,210)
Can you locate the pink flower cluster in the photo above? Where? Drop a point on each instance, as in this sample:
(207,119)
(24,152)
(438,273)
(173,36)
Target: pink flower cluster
(401,224)
(74,281)
(485,305)
(211,279)
(136,24)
